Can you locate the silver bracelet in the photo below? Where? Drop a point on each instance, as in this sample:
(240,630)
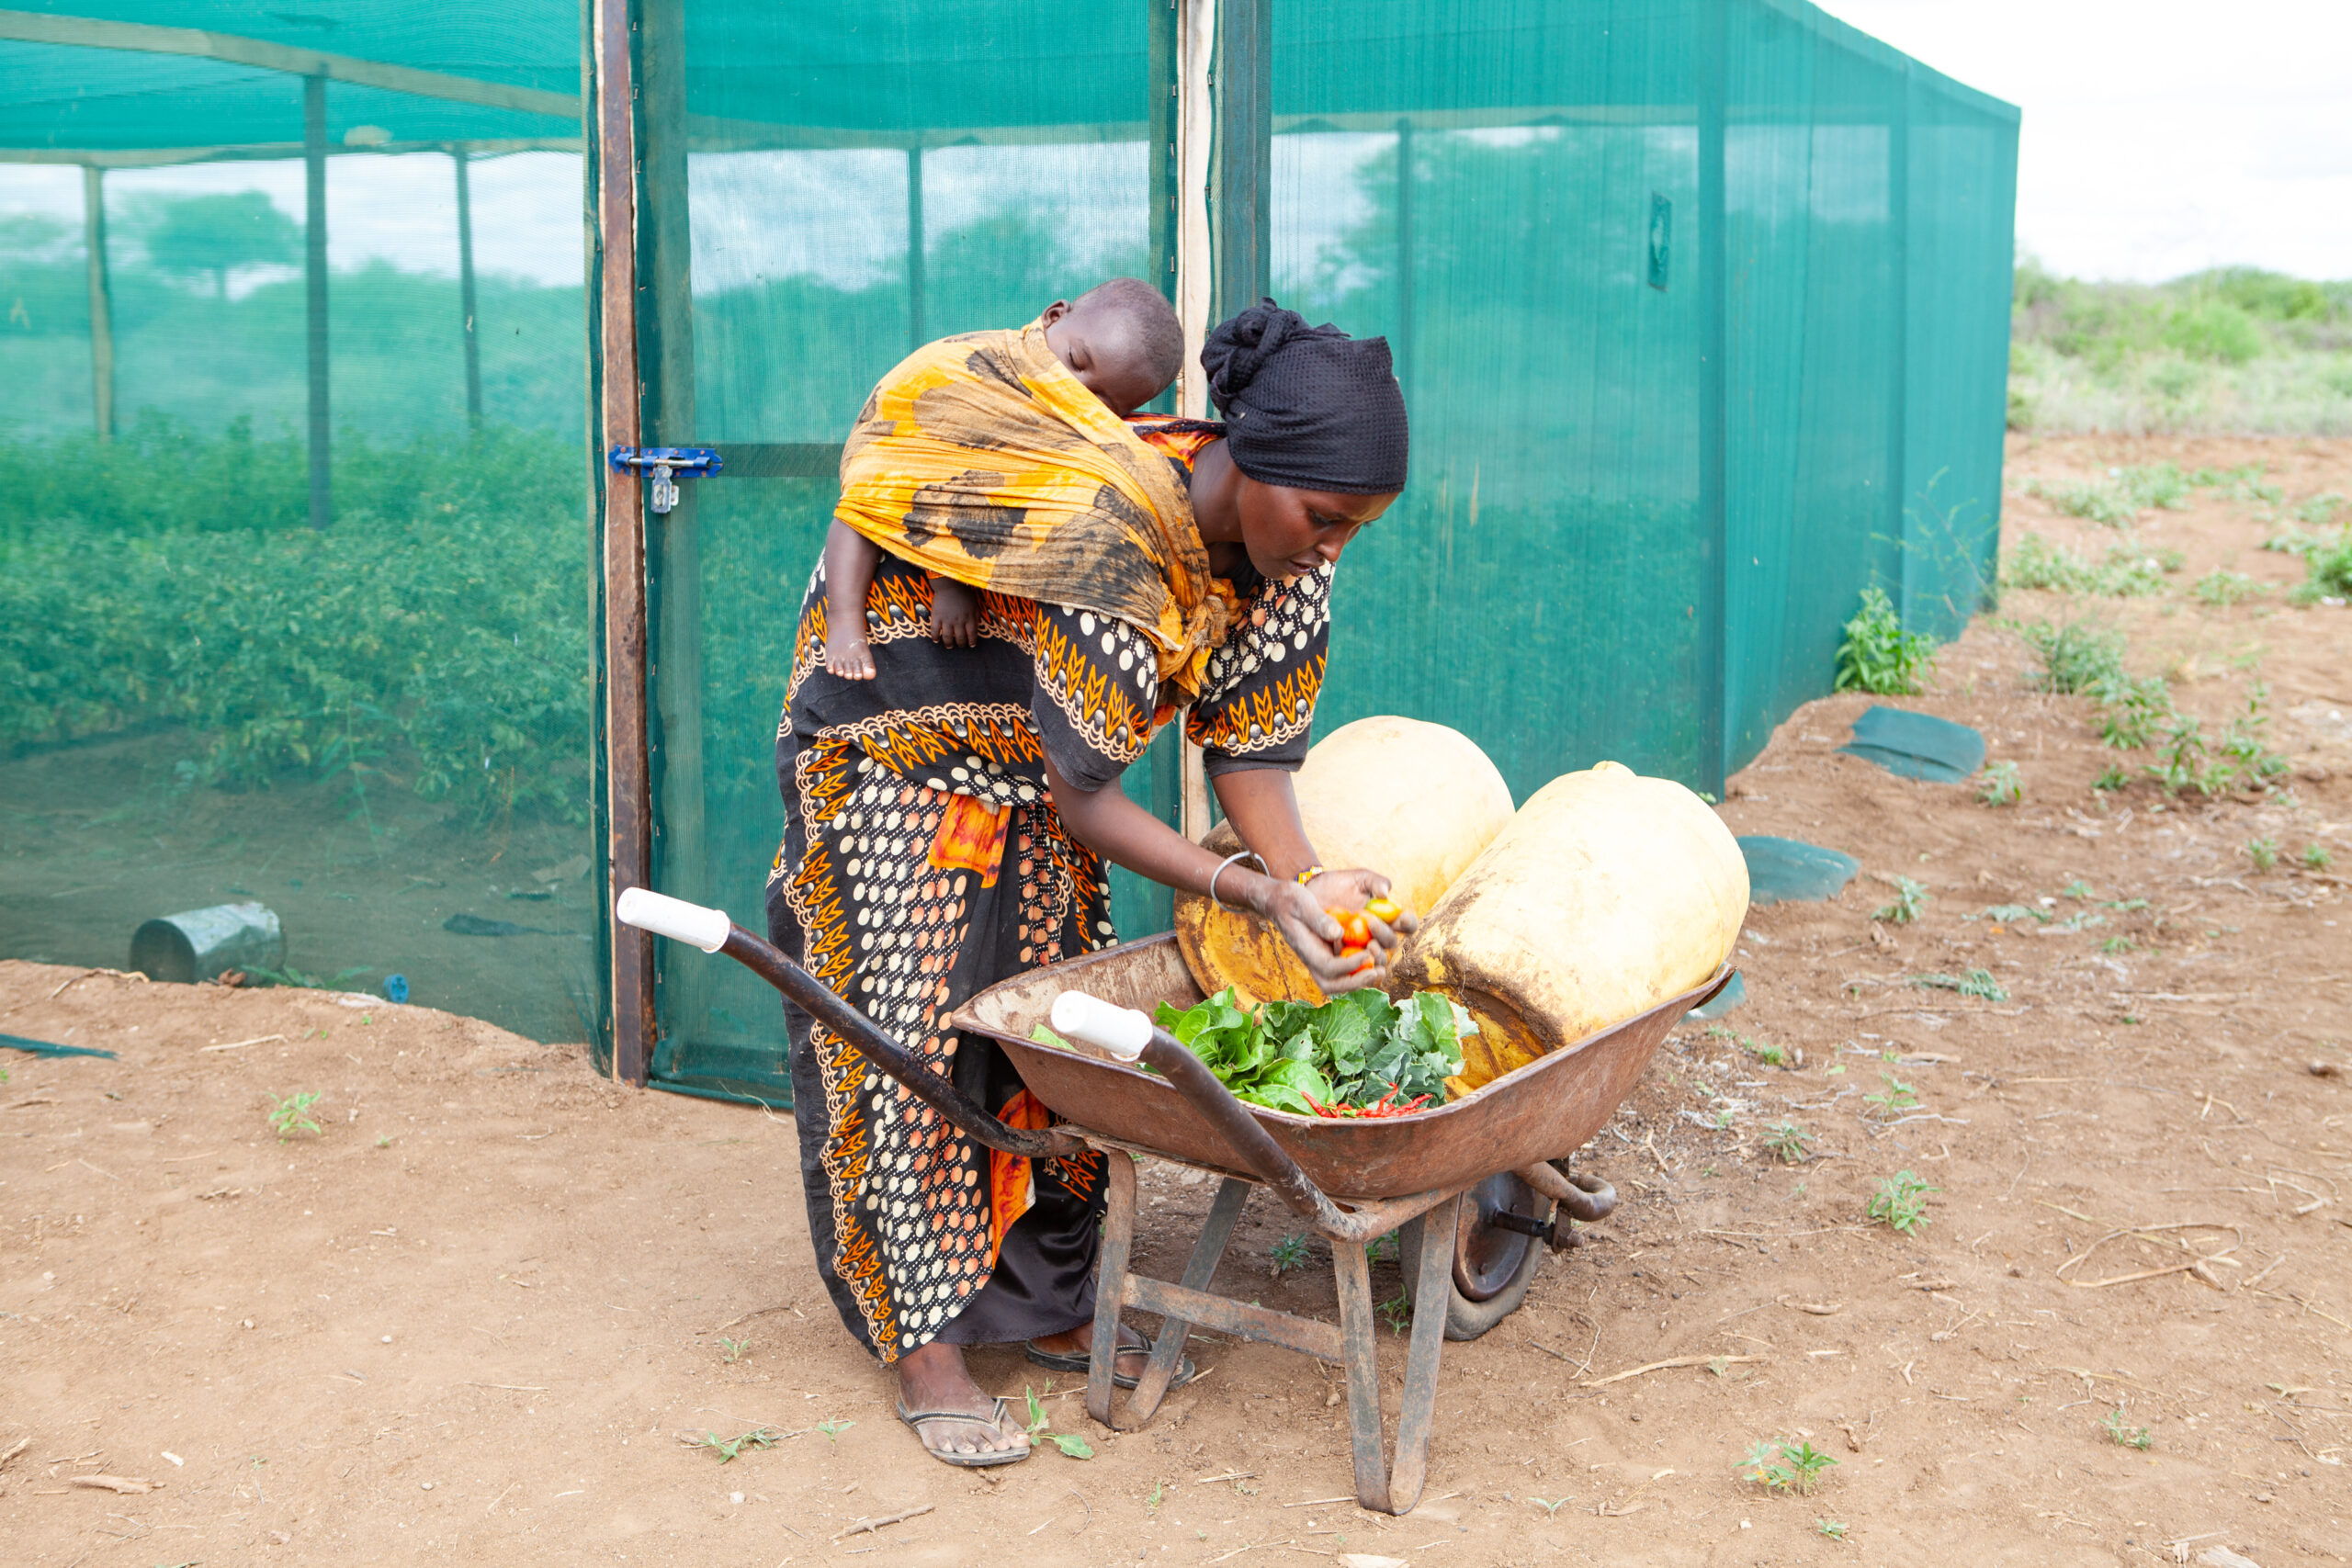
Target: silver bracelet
(1245,854)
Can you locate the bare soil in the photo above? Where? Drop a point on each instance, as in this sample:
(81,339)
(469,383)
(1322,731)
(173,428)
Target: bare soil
(101,836)
(470,1317)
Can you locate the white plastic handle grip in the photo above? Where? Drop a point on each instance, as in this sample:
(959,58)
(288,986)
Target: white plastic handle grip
(1106,1026)
(673,918)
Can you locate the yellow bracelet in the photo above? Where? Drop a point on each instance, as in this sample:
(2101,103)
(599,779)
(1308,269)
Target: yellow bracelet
(1309,874)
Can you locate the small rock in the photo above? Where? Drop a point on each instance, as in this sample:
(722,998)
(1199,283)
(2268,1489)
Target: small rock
(2326,1070)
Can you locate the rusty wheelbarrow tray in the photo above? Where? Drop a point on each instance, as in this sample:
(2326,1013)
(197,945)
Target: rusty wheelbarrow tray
(1351,1180)
(1547,1109)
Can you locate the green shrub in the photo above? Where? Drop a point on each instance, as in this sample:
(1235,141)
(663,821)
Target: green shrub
(2036,563)
(437,633)
(2130,571)
(2329,569)
(2235,350)
(2132,713)
(2240,759)
(2222,589)
(2076,656)
(2270,296)
(2214,329)
(1878,655)
(2097,503)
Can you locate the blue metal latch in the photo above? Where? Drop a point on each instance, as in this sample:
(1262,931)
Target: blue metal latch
(660,465)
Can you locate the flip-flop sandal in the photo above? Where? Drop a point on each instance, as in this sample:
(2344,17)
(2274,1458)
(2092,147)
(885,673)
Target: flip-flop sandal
(1060,1361)
(982,1461)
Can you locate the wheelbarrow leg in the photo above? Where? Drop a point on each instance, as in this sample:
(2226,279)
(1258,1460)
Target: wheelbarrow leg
(1357,1336)
(1378,1487)
(1232,1196)
(1110,1280)
(1110,1284)
(1433,1295)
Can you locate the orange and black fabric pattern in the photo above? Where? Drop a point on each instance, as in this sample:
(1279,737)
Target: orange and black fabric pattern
(923,861)
(981,458)
(907,900)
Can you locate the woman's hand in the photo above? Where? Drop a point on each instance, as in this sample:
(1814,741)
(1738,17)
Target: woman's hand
(1300,914)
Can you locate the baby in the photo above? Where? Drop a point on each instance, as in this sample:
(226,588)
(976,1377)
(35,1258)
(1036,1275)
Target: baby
(1122,340)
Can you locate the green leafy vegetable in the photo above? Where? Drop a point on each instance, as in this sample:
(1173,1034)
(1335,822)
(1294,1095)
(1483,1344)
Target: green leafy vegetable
(1357,1049)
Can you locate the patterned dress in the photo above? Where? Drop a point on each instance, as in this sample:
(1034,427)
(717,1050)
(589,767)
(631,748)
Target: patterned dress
(923,861)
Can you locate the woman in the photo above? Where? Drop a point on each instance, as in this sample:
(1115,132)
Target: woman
(946,820)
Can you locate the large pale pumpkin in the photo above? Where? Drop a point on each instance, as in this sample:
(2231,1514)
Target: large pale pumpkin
(1416,802)
(1608,893)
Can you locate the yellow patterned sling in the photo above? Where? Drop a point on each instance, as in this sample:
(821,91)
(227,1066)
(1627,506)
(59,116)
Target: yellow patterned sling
(982,458)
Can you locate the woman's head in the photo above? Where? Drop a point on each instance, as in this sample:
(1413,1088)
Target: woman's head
(1315,423)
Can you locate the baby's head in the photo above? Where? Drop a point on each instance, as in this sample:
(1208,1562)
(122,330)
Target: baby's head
(1121,339)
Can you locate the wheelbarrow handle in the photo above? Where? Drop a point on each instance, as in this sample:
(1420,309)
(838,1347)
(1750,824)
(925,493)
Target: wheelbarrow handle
(711,931)
(1125,1034)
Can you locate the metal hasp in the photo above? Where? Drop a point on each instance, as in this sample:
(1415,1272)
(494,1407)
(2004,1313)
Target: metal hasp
(660,465)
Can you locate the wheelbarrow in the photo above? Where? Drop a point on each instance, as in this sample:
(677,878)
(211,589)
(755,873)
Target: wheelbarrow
(1470,1187)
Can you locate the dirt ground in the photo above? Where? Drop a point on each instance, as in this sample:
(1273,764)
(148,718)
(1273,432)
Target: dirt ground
(99,837)
(469,1318)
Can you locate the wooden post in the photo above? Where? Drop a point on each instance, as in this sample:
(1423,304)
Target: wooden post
(93,239)
(1195,275)
(915,332)
(315,278)
(674,542)
(1195,137)
(466,289)
(629,804)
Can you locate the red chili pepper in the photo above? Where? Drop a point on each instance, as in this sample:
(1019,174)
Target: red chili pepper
(1387,1105)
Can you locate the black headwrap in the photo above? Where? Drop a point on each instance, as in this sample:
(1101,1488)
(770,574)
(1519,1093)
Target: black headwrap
(1308,407)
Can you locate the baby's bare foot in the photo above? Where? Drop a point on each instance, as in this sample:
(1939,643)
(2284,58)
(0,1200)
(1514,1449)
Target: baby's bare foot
(955,613)
(849,661)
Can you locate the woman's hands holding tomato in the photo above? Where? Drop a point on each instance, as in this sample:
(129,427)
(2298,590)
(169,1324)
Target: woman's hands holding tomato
(1342,925)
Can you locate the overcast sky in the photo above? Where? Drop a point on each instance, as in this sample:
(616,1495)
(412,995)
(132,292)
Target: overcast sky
(2160,136)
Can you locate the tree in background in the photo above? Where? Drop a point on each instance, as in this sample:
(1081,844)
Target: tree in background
(215,235)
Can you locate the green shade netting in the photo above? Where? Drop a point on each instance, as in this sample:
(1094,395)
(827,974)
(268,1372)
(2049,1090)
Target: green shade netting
(1700,309)
(1606,550)
(94,99)
(382,732)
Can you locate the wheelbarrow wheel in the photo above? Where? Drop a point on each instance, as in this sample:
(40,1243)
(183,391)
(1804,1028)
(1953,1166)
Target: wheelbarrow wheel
(1492,1266)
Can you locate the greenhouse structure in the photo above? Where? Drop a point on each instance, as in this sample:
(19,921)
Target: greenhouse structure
(336,583)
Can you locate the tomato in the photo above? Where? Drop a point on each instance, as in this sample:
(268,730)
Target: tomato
(1388,909)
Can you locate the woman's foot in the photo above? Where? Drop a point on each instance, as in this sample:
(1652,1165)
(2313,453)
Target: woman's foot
(1079,1342)
(968,1425)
